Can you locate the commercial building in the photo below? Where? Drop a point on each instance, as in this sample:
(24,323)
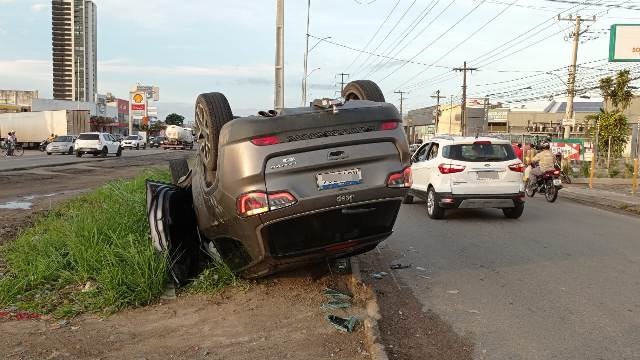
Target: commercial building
(450,120)
(16,100)
(74,43)
(419,123)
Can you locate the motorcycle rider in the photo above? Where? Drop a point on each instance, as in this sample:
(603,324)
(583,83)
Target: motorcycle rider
(545,160)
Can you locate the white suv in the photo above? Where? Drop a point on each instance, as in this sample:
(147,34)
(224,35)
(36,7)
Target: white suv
(97,144)
(134,141)
(467,172)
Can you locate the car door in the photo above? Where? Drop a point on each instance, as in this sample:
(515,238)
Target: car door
(111,143)
(430,166)
(418,168)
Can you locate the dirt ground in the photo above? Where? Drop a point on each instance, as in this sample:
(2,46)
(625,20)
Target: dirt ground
(276,318)
(407,330)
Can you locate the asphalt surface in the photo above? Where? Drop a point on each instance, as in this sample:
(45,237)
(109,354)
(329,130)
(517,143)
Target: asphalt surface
(562,282)
(33,159)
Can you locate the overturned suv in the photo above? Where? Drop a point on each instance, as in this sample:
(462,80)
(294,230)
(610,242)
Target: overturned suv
(272,192)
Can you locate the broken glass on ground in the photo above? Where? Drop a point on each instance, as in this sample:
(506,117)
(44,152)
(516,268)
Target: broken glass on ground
(347,325)
(337,300)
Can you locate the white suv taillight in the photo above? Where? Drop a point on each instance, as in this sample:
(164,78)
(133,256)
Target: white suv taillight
(401,179)
(519,167)
(258,202)
(450,168)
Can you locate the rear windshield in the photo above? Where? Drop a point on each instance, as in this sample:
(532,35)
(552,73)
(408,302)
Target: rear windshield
(63,139)
(88,137)
(479,152)
(132,137)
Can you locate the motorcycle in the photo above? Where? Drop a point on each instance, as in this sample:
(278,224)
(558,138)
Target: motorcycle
(43,145)
(548,184)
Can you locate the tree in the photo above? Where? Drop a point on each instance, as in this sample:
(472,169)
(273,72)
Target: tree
(610,123)
(174,119)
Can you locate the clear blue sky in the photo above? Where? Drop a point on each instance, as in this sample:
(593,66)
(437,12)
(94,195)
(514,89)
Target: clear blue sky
(193,46)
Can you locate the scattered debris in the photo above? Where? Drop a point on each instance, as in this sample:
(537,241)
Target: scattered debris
(342,324)
(13,313)
(453,291)
(424,277)
(474,311)
(335,294)
(89,286)
(63,323)
(169,292)
(379,275)
(336,304)
(399,266)
(420,268)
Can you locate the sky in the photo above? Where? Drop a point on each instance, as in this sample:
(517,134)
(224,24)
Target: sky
(193,46)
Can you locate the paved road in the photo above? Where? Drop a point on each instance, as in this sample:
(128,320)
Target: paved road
(563,282)
(32,159)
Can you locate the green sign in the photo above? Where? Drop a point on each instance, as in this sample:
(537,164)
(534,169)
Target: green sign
(624,43)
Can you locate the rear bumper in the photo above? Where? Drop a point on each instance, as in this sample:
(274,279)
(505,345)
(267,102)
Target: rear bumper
(477,201)
(88,150)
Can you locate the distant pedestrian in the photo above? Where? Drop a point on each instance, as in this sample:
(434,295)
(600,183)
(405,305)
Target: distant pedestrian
(517,149)
(11,143)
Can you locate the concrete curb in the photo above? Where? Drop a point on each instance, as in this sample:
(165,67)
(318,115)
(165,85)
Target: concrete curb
(602,203)
(371,329)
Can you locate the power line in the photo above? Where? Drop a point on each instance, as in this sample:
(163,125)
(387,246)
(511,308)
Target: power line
(599,4)
(375,34)
(364,63)
(438,38)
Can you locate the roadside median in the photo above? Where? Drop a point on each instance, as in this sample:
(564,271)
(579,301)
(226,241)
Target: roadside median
(608,195)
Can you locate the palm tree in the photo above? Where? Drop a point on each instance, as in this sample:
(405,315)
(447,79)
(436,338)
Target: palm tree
(615,91)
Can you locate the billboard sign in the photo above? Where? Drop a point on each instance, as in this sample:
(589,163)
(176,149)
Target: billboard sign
(138,104)
(568,150)
(624,43)
(123,107)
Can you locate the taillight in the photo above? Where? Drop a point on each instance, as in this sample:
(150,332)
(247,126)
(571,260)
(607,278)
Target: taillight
(450,168)
(401,179)
(265,140)
(389,125)
(519,167)
(482,142)
(258,202)
(556,172)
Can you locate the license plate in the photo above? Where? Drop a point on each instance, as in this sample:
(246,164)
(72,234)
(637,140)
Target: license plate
(557,182)
(488,175)
(338,179)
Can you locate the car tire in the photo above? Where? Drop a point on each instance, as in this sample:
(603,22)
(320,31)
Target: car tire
(104,152)
(408,199)
(119,153)
(514,212)
(434,210)
(362,90)
(138,147)
(212,111)
(178,169)
(48,153)
(70,151)
(144,147)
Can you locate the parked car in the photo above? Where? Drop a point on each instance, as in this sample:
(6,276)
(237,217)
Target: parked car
(271,192)
(96,143)
(134,142)
(157,141)
(466,172)
(61,145)
(118,137)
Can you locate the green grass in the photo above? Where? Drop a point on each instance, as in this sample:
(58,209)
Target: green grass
(100,239)
(213,279)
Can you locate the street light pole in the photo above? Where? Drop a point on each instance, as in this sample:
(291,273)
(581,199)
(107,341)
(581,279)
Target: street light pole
(279,81)
(306,57)
(304,86)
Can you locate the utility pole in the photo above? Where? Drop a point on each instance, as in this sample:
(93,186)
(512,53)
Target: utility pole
(401,104)
(450,112)
(571,83)
(279,83)
(463,104)
(437,97)
(306,58)
(342,76)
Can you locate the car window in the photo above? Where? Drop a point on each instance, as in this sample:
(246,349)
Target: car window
(421,154)
(62,139)
(132,137)
(479,152)
(88,137)
(111,138)
(433,151)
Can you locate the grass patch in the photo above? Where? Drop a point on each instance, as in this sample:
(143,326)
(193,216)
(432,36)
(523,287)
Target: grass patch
(213,279)
(89,254)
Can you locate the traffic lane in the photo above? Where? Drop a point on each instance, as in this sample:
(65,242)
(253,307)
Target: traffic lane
(32,159)
(559,283)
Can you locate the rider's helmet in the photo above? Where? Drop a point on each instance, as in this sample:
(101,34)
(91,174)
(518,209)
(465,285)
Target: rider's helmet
(545,145)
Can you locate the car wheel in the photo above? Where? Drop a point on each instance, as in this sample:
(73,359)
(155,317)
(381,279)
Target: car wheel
(119,153)
(48,153)
(104,152)
(138,147)
(514,212)
(178,168)
(212,112)
(71,151)
(78,154)
(408,199)
(362,90)
(144,147)
(434,210)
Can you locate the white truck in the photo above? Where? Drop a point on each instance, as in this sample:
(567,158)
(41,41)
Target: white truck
(33,127)
(178,138)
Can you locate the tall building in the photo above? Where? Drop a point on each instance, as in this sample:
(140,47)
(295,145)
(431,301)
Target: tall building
(74,40)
